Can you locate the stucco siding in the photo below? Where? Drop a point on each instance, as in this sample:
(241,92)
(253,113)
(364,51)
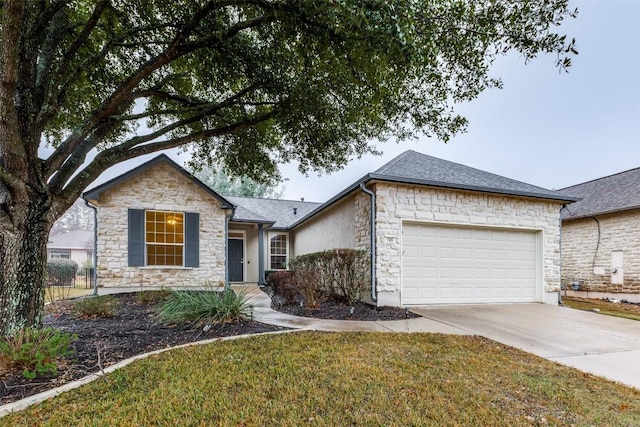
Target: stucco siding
(587,252)
(160,187)
(396,203)
(333,228)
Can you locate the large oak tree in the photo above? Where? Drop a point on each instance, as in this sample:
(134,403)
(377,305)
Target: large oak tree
(249,83)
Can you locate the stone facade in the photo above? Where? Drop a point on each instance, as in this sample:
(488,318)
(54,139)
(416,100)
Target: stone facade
(397,202)
(160,187)
(587,253)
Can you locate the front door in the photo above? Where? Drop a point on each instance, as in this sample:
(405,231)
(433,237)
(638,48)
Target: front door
(236,260)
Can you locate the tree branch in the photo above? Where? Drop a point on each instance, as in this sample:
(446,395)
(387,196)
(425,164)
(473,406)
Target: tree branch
(107,158)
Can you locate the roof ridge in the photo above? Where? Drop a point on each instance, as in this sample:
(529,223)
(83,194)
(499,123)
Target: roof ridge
(599,179)
(271,198)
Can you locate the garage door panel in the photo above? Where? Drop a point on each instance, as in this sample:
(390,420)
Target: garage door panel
(468,265)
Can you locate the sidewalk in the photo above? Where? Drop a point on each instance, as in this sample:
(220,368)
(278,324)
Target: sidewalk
(262,312)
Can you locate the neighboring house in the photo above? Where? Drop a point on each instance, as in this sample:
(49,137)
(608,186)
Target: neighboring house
(601,234)
(76,245)
(443,232)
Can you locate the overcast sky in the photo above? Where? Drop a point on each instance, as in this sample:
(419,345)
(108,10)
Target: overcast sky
(546,128)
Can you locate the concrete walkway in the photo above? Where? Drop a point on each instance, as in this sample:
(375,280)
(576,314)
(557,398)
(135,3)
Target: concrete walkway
(602,345)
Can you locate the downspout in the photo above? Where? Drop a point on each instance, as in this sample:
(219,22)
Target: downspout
(560,292)
(95,247)
(372,234)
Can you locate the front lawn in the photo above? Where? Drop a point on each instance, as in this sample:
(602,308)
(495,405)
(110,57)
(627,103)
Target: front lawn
(626,311)
(331,379)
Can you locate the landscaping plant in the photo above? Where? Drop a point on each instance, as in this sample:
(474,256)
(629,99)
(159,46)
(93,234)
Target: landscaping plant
(308,278)
(34,351)
(339,273)
(152,297)
(204,307)
(98,306)
(282,283)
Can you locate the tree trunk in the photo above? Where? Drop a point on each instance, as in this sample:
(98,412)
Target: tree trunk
(23,261)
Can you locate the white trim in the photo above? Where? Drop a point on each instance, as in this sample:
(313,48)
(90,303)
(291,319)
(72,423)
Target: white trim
(182,245)
(244,250)
(270,235)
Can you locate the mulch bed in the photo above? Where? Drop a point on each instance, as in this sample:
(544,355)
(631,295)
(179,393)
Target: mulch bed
(134,330)
(331,308)
(105,341)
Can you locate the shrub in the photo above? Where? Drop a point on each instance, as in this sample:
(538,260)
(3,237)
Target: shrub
(283,285)
(340,273)
(203,307)
(349,272)
(97,306)
(308,278)
(61,272)
(35,351)
(152,297)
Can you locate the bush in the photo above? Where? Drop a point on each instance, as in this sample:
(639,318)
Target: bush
(283,285)
(35,351)
(203,307)
(152,297)
(342,273)
(61,272)
(349,273)
(308,278)
(98,306)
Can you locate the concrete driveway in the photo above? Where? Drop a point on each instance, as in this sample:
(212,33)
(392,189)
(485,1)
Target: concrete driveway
(602,345)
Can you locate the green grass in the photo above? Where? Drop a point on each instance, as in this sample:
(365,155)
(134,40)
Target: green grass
(335,379)
(626,311)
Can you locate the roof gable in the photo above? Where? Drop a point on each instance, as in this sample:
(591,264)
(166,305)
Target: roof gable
(613,193)
(94,193)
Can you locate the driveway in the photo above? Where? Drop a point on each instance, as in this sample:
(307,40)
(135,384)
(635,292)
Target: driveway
(602,345)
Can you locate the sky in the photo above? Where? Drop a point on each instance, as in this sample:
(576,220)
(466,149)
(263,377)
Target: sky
(545,127)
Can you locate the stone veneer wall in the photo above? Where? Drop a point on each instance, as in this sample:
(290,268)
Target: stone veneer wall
(160,188)
(396,202)
(618,232)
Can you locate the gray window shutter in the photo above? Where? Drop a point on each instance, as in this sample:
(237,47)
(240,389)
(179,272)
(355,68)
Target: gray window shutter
(192,240)
(136,238)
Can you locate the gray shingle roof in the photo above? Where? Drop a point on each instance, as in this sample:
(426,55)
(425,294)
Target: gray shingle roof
(614,193)
(280,212)
(412,167)
(417,168)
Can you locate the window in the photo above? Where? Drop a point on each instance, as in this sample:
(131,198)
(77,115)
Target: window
(157,238)
(278,252)
(60,254)
(164,238)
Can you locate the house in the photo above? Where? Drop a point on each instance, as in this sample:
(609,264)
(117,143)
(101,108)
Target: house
(601,234)
(442,232)
(76,245)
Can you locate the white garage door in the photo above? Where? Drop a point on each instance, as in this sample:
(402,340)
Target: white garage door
(455,265)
